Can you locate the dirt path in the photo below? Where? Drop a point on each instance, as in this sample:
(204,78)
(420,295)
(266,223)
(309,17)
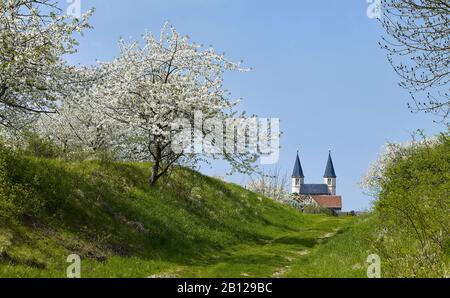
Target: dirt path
(265,257)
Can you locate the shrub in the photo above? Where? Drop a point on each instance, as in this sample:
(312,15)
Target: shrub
(413,191)
(40,147)
(290,201)
(15,199)
(314,209)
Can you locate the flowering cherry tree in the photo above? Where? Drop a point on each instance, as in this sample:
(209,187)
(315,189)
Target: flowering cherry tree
(149,90)
(33,76)
(78,124)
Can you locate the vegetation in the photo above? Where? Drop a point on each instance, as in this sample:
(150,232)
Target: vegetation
(33,76)
(417,42)
(344,255)
(129,219)
(138,107)
(316,209)
(187,225)
(273,184)
(163,102)
(412,184)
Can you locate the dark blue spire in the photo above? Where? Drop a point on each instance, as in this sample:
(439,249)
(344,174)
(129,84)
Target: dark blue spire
(329,170)
(298,171)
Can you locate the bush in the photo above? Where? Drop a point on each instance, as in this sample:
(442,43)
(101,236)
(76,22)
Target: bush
(31,144)
(314,209)
(15,199)
(40,147)
(291,200)
(413,209)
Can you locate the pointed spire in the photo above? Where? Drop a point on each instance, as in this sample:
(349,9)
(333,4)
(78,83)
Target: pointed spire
(329,170)
(298,171)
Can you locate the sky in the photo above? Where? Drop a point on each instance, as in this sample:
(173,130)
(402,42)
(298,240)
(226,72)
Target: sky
(317,66)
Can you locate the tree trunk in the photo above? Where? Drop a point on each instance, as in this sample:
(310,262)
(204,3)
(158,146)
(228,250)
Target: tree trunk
(155,167)
(154,175)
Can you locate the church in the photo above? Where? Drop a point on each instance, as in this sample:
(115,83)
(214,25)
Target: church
(323,195)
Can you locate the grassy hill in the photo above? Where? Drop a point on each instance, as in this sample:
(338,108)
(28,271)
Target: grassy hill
(188,226)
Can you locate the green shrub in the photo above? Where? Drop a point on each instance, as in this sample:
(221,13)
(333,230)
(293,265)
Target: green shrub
(15,199)
(32,144)
(312,209)
(413,210)
(40,147)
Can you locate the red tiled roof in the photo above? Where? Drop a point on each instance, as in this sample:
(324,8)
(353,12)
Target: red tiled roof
(329,201)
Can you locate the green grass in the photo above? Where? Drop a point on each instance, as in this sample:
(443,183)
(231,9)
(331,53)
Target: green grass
(344,255)
(188,226)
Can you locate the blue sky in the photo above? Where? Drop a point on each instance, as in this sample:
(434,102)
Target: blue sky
(316,65)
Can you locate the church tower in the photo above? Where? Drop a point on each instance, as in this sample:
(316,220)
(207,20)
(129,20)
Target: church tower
(298,179)
(330,176)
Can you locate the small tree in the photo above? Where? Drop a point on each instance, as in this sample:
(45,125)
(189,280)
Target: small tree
(271,184)
(418,45)
(34,35)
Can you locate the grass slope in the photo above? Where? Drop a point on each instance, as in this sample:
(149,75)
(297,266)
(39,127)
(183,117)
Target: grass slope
(189,225)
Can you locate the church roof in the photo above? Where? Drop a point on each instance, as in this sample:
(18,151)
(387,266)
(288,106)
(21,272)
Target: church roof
(334,202)
(314,189)
(298,171)
(329,170)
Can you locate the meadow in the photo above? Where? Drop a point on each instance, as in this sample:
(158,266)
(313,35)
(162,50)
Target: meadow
(189,225)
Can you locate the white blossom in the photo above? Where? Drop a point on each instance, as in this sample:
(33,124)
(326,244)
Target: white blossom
(33,75)
(132,103)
